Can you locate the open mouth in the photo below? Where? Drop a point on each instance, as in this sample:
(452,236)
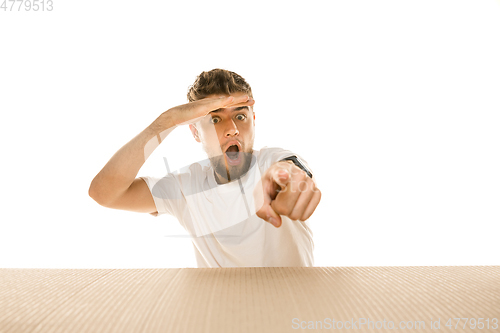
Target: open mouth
(233,152)
(233,155)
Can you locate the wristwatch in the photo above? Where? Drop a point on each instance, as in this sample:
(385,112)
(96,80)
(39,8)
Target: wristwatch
(298,163)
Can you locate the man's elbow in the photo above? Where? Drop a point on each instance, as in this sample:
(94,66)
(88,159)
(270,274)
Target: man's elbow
(94,193)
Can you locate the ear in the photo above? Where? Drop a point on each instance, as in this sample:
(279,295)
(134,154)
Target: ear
(194,131)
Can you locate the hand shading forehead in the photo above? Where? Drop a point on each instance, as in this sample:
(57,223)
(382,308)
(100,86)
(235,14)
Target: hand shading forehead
(240,108)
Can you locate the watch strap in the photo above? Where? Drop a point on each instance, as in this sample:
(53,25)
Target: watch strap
(298,163)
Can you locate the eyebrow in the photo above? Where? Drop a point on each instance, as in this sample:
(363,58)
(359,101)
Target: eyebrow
(236,109)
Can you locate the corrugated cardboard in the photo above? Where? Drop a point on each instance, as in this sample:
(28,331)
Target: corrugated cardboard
(250,299)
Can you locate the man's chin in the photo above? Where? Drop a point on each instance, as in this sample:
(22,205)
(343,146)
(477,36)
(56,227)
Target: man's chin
(229,170)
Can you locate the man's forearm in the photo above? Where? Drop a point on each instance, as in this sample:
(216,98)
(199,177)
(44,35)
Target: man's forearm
(121,170)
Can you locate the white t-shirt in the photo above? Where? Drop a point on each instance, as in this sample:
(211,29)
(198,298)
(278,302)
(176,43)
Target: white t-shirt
(221,219)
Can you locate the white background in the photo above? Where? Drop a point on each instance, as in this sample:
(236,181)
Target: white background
(394,104)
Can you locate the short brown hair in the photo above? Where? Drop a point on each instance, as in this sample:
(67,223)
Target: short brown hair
(217,81)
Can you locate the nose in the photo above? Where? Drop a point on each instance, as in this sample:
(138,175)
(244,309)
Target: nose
(231,129)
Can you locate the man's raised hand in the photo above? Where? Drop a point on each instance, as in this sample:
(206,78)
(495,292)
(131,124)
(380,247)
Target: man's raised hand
(195,111)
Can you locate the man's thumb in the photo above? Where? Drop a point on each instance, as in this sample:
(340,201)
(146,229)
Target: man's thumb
(273,218)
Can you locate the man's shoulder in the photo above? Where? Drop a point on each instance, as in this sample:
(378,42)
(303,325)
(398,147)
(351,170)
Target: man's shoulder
(266,151)
(270,155)
(274,153)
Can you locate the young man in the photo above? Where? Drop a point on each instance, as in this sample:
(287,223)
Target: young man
(225,202)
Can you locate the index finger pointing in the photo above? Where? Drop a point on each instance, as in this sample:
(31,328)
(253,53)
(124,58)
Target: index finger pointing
(281,177)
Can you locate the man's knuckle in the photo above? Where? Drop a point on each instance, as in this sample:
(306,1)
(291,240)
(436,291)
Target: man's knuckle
(280,209)
(303,186)
(276,206)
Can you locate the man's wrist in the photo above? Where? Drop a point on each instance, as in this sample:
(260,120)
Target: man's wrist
(295,161)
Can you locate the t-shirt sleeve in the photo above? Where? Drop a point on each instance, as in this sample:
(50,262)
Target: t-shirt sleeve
(274,154)
(166,193)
